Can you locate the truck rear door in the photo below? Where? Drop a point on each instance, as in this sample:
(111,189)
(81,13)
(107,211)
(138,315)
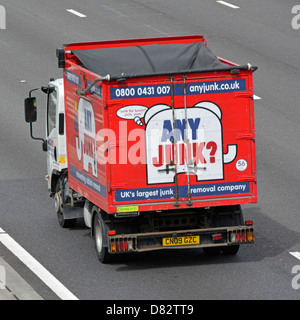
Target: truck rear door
(182,140)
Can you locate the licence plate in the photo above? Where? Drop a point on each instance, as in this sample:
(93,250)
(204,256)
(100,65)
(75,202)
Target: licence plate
(181,241)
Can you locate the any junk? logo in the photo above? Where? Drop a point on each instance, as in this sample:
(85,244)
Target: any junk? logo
(296,18)
(203,150)
(86,136)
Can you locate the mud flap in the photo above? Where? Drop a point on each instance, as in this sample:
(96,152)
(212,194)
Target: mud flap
(70,212)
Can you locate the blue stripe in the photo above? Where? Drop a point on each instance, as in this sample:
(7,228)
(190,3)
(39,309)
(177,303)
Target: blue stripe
(164,90)
(88,181)
(199,190)
(73,78)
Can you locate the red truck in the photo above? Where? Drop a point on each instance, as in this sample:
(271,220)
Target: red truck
(152,142)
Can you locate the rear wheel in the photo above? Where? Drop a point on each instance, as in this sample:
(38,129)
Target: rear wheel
(230,250)
(212,251)
(100,237)
(234,217)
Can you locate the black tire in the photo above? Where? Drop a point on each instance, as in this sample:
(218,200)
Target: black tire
(212,251)
(237,220)
(234,219)
(230,250)
(99,236)
(64,223)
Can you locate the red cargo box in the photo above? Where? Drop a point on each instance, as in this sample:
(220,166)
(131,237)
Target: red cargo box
(173,127)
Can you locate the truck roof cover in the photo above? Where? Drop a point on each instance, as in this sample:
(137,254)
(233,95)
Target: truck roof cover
(153,59)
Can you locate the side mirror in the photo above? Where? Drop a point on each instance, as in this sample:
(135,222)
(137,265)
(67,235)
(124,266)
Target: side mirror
(30,115)
(30,109)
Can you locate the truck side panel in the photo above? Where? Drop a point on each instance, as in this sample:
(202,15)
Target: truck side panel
(86,119)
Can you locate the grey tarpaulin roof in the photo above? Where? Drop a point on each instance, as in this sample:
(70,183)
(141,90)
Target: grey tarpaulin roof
(154,59)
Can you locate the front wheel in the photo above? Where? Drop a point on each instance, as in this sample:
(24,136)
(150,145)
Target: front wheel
(58,203)
(99,236)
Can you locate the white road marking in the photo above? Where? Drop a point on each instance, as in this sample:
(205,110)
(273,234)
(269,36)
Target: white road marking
(228,4)
(56,286)
(255,97)
(6,44)
(295,254)
(155,29)
(81,15)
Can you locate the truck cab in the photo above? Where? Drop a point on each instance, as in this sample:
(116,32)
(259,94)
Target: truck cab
(55,133)
(55,146)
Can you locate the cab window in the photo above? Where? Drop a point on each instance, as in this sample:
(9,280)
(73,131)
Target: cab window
(52,104)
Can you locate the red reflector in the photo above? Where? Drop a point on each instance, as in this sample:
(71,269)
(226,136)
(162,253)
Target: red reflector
(249,223)
(217,237)
(112,232)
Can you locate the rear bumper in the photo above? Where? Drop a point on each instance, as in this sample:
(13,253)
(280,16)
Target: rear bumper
(183,239)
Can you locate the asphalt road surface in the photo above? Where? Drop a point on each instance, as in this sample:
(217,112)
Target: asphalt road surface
(258,32)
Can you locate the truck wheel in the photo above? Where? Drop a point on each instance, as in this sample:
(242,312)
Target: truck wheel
(58,202)
(234,217)
(212,251)
(230,250)
(65,223)
(99,236)
(215,251)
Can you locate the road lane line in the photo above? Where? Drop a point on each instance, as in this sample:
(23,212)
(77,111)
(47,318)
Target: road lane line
(155,29)
(6,44)
(56,286)
(79,14)
(228,4)
(295,254)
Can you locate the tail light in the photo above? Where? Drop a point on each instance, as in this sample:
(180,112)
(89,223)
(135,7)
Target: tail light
(245,235)
(241,237)
(121,244)
(250,236)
